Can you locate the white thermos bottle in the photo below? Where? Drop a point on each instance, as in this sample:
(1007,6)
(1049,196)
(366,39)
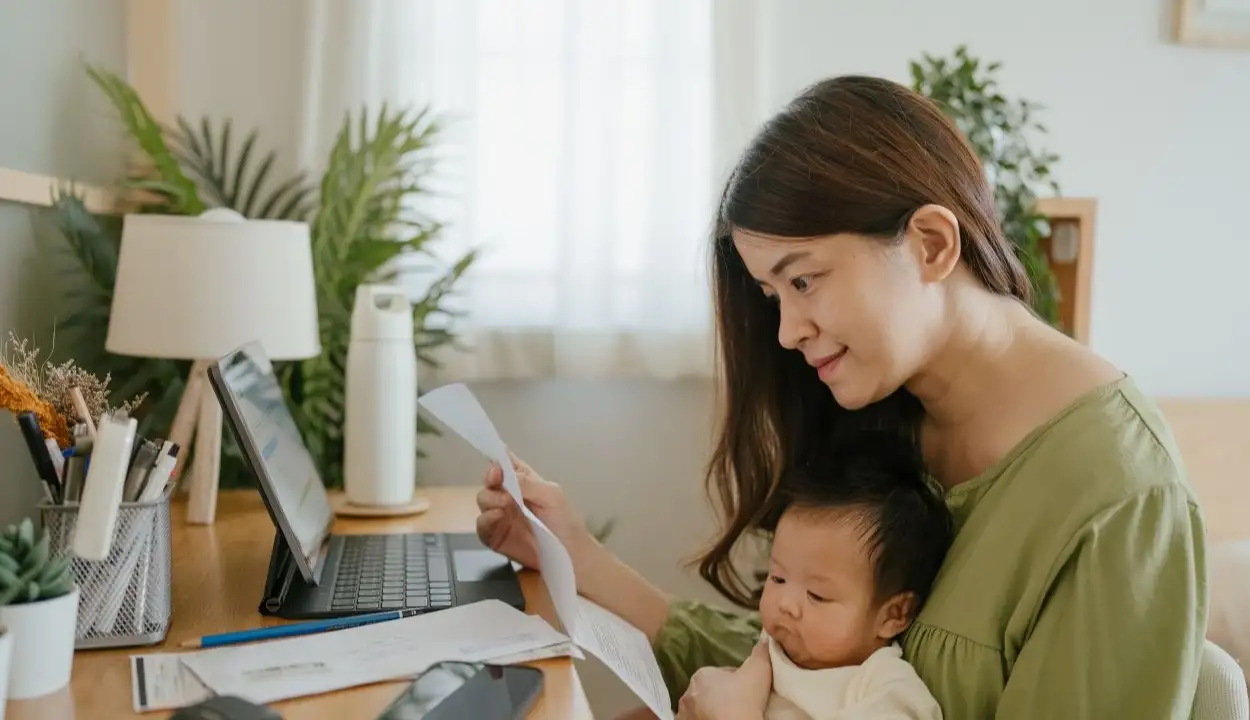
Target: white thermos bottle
(380,423)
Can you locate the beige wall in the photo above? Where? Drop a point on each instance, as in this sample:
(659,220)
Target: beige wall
(53,122)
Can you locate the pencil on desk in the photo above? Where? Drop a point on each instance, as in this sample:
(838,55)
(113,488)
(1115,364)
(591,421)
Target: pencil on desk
(295,629)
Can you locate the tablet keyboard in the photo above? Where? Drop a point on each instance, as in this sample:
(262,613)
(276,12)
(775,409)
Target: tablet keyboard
(393,572)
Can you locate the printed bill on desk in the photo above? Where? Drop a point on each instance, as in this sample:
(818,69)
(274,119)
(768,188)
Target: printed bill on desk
(313,664)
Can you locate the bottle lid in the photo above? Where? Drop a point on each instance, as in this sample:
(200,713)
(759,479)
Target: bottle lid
(381,312)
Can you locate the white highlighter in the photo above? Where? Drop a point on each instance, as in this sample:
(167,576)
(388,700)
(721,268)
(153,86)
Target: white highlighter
(102,490)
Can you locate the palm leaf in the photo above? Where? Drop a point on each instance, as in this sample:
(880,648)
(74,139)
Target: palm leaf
(366,195)
(87,238)
(232,180)
(147,132)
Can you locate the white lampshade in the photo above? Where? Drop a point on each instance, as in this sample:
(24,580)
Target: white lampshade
(196,288)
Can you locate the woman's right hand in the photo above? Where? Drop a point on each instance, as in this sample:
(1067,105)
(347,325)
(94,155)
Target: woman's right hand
(503,528)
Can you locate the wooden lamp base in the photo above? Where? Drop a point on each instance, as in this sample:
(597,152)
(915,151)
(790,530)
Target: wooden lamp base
(199,416)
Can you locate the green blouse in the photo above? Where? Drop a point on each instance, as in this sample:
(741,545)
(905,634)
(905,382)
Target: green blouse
(1075,588)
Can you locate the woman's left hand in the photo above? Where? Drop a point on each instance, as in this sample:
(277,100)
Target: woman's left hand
(718,693)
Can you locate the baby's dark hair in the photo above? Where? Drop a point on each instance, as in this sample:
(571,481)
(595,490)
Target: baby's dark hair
(880,478)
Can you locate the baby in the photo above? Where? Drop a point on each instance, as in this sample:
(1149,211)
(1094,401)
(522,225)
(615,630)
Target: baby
(858,544)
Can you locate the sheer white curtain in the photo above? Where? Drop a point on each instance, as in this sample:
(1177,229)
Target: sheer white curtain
(577,157)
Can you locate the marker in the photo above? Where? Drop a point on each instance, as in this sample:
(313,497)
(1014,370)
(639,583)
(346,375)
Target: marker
(39,454)
(294,629)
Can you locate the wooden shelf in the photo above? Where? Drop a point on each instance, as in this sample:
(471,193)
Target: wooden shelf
(1072,221)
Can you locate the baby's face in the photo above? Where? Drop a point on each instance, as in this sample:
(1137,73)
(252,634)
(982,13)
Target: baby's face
(819,601)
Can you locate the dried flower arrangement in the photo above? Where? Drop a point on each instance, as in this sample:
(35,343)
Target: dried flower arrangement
(27,384)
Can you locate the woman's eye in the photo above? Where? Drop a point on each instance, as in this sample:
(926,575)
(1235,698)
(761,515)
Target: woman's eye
(802,283)
(816,598)
(777,579)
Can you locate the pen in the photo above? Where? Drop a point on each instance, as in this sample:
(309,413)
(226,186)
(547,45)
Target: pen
(294,629)
(159,477)
(141,462)
(39,453)
(54,452)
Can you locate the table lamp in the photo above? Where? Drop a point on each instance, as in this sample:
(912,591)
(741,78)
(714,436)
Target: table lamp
(197,287)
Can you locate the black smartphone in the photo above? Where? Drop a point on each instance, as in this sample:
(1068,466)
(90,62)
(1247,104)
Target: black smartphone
(468,691)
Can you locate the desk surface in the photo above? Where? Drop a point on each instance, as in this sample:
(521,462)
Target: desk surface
(218,573)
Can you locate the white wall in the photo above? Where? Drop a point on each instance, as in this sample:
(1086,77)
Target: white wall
(1157,132)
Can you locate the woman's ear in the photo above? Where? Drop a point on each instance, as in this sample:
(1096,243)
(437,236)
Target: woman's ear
(896,615)
(933,236)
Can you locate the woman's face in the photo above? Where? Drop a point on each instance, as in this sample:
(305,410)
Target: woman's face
(861,311)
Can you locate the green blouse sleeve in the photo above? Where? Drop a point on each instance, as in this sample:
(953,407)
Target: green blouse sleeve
(698,635)
(1121,633)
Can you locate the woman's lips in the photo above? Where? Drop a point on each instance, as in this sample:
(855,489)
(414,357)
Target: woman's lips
(826,366)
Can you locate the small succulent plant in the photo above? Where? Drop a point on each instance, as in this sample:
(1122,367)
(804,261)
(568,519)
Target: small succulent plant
(28,572)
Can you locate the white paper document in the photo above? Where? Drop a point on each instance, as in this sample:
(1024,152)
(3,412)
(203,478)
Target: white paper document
(296,667)
(162,682)
(561,649)
(626,651)
(455,407)
(619,645)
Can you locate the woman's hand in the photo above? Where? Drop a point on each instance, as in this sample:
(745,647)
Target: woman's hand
(503,528)
(730,694)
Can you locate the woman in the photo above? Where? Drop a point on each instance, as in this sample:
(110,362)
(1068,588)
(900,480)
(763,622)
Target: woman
(861,279)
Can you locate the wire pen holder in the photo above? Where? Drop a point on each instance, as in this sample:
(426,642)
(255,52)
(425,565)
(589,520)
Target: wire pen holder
(124,598)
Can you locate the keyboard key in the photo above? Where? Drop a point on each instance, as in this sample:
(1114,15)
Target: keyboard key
(440,603)
(393,604)
(417,602)
(438,573)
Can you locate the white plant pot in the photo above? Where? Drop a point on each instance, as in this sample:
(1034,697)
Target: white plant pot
(42,636)
(6,649)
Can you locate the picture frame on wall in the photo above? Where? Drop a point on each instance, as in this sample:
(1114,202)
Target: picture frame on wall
(1212,23)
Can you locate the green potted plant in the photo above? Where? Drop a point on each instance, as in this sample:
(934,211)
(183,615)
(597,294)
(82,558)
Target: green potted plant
(39,606)
(1004,132)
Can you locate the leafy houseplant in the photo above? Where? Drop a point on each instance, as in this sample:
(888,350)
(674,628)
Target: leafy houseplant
(1001,131)
(39,606)
(361,219)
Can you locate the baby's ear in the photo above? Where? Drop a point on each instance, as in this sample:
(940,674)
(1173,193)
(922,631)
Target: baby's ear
(896,615)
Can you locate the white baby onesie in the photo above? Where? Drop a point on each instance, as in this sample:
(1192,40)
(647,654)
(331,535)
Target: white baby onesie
(884,687)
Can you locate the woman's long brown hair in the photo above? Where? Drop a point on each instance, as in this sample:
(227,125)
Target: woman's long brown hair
(851,154)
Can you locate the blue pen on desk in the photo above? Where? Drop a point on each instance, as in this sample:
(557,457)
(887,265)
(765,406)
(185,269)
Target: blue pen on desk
(295,629)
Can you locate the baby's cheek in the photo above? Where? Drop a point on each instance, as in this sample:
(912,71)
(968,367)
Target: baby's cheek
(768,614)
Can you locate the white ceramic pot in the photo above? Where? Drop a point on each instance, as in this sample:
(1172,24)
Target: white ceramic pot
(42,636)
(6,648)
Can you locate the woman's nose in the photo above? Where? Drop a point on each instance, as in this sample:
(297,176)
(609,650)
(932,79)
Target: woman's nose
(794,327)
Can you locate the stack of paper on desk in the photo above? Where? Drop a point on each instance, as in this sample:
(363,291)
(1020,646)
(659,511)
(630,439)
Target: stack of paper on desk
(487,631)
(621,646)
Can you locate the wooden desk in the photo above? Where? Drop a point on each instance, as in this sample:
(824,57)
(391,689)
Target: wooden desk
(218,574)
